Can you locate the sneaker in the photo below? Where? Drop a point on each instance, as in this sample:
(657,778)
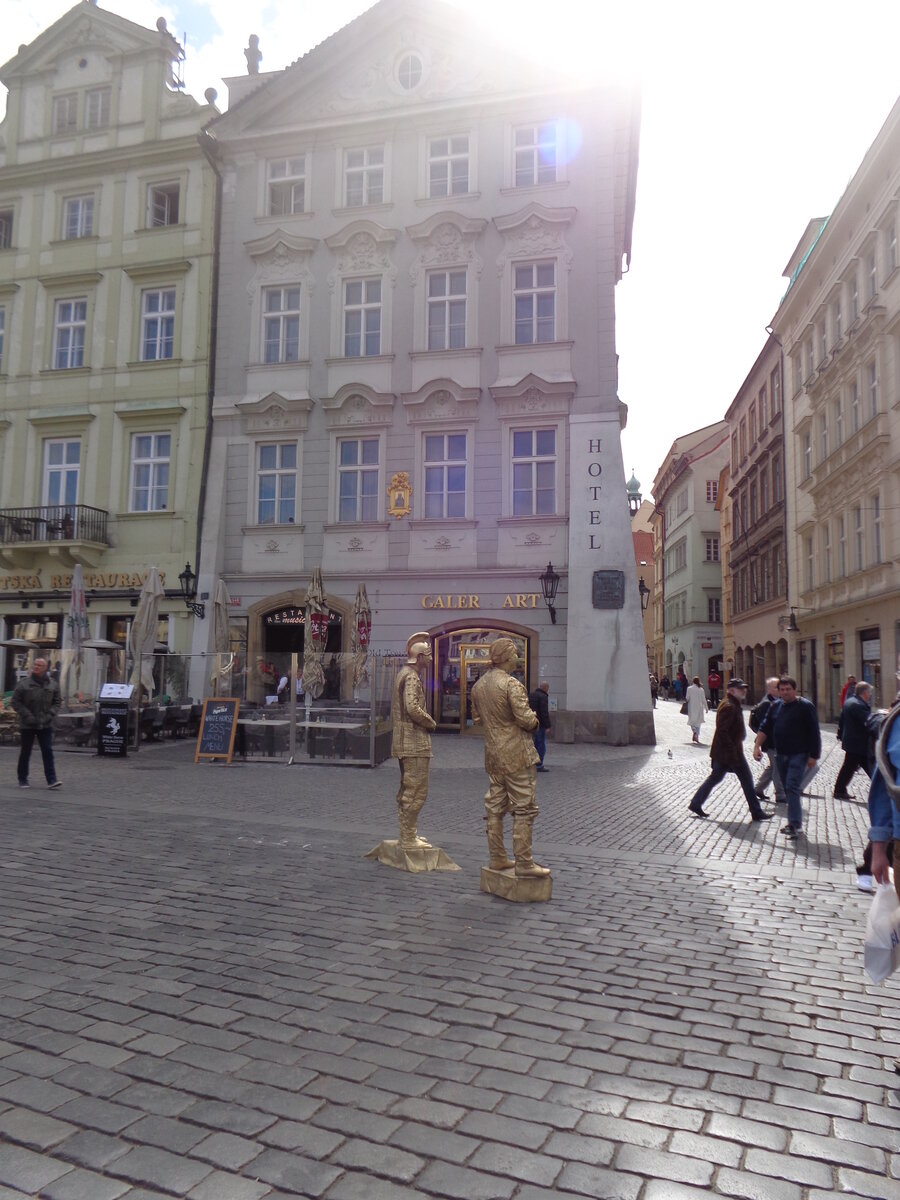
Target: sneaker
(865,883)
(55,784)
(791,831)
(24,783)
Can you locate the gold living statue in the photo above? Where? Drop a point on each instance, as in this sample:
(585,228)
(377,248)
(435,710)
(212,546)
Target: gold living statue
(411,746)
(500,704)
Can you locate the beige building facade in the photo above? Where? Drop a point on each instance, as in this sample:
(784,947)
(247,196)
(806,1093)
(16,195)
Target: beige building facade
(107,210)
(839,326)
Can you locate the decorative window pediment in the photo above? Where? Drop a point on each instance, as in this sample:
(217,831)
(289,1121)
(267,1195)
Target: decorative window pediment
(441,401)
(358,404)
(445,239)
(535,230)
(276,413)
(362,247)
(278,246)
(533,396)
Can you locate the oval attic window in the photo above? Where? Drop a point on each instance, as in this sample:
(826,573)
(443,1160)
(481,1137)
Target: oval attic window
(409,72)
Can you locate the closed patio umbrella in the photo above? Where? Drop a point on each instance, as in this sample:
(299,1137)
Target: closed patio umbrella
(221,636)
(362,628)
(143,637)
(77,626)
(315,636)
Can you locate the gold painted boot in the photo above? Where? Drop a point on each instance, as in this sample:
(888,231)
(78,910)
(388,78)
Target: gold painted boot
(409,839)
(526,867)
(496,848)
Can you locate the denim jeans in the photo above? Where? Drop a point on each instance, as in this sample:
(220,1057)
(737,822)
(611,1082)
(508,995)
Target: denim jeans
(770,775)
(792,768)
(45,740)
(539,737)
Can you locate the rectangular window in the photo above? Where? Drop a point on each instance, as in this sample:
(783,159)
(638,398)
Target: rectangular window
(734,451)
(826,546)
(446,310)
(276,483)
(762,408)
(807,454)
(96,108)
(2,336)
(823,342)
(872,389)
(775,381)
(6,228)
(712,491)
(836,320)
(743,432)
(714,610)
(150,454)
(712,549)
(810,565)
(676,558)
(871,277)
(533,472)
(779,572)
(535,154)
(753,423)
(892,249)
(62,459)
(535,301)
(777,480)
(876,528)
(854,299)
(763,491)
(445,475)
(70,323)
(810,357)
(162,204)
(281,324)
(65,113)
(157,324)
(362,318)
(858,539)
(78,217)
(286,186)
(753,504)
(798,370)
(681,502)
(823,438)
(448,166)
(364,176)
(838,422)
(842,545)
(358,479)
(854,406)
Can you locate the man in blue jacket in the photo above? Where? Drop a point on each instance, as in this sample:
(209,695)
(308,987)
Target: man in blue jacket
(854,737)
(792,726)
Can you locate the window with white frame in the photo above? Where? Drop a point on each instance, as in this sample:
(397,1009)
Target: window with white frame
(445,475)
(69,328)
(810,357)
(65,113)
(681,502)
(859,539)
(712,549)
(826,547)
(753,503)
(823,341)
(448,165)
(714,609)
(842,545)
(872,388)
(712,491)
(734,451)
(854,299)
(777,480)
(753,423)
(871,276)
(364,176)
(743,432)
(853,405)
(535,302)
(163,204)
(763,398)
(157,324)
(276,483)
(891,238)
(446,310)
(358,475)
(150,457)
(775,388)
(823,437)
(836,320)
(838,421)
(77,217)
(876,528)
(533,472)
(806,453)
(62,463)
(6,228)
(763,490)
(96,108)
(676,558)
(362,318)
(281,324)
(779,571)
(810,565)
(286,186)
(797,361)
(535,154)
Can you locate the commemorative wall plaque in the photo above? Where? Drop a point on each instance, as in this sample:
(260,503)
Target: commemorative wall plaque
(608,589)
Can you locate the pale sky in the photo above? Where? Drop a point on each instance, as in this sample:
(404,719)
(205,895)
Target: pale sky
(755,117)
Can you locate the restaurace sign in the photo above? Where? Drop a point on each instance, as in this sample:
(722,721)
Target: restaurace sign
(92,580)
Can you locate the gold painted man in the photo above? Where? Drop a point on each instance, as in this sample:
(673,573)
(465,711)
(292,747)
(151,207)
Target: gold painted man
(411,742)
(500,702)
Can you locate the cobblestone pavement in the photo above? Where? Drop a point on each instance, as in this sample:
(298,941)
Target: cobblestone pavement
(206,992)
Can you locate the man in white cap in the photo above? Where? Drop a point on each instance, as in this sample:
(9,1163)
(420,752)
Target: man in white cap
(411,740)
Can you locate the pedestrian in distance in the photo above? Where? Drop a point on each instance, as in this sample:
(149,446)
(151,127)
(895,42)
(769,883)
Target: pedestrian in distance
(792,727)
(540,706)
(727,753)
(715,682)
(665,686)
(697,707)
(758,715)
(847,690)
(853,735)
(36,700)
(654,688)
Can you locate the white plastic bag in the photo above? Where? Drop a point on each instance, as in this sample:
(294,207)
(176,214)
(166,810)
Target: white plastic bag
(882,956)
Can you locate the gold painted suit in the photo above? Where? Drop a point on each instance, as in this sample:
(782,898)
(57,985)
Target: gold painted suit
(501,703)
(411,722)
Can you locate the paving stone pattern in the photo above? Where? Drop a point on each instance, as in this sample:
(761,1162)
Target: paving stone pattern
(206,992)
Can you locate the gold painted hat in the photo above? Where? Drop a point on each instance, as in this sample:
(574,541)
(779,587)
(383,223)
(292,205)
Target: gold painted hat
(417,637)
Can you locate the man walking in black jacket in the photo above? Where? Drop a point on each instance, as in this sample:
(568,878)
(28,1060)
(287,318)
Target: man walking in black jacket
(541,707)
(854,737)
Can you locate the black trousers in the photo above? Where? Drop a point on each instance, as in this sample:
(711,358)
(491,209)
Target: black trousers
(848,770)
(45,741)
(718,773)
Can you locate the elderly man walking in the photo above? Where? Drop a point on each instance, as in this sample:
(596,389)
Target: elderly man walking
(792,727)
(854,737)
(37,700)
(727,753)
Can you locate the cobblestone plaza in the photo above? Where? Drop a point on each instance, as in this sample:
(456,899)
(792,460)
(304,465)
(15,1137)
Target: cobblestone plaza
(206,992)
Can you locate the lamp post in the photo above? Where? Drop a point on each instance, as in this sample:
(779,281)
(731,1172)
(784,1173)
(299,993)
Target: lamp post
(549,583)
(644,593)
(188,581)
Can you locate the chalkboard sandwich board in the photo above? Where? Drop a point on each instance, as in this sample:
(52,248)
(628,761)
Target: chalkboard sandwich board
(218,725)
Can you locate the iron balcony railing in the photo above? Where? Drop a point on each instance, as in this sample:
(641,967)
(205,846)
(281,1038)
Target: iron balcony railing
(53,523)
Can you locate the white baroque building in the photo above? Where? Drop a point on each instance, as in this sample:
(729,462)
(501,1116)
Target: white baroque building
(416,380)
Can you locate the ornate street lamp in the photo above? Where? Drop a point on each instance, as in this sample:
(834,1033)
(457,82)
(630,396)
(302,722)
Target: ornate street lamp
(549,583)
(188,581)
(645,594)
